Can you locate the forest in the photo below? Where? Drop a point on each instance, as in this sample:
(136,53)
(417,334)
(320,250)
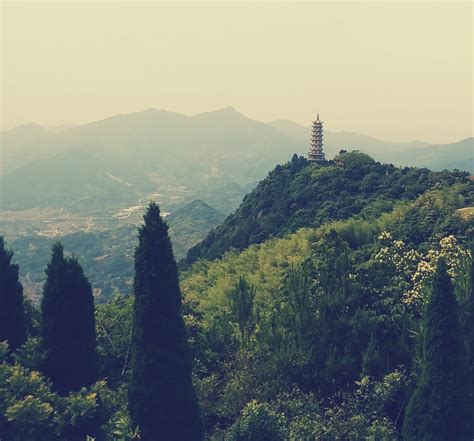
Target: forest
(335,304)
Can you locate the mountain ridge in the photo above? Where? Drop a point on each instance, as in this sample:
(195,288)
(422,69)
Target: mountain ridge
(204,152)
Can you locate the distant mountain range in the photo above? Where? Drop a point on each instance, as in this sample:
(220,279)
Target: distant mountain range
(416,153)
(215,156)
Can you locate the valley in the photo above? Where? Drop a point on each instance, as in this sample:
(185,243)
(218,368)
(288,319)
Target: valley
(104,239)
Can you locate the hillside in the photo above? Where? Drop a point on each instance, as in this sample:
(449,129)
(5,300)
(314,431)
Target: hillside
(351,289)
(190,224)
(71,178)
(300,194)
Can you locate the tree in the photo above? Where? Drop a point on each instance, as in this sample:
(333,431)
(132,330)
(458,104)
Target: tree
(258,422)
(68,325)
(441,407)
(242,298)
(162,401)
(469,325)
(12,313)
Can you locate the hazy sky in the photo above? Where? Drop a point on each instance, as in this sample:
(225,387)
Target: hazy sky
(398,71)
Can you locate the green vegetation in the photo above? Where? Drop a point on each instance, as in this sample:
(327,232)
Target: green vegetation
(12,315)
(68,325)
(441,407)
(300,194)
(162,401)
(351,320)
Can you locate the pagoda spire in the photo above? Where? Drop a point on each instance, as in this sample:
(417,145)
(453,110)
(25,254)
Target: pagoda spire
(316,152)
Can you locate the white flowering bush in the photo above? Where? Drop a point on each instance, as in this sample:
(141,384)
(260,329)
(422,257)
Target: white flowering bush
(415,270)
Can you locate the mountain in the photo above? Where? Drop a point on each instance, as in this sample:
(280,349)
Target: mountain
(17,146)
(458,155)
(302,194)
(172,143)
(22,134)
(215,156)
(69,178)
(190,224)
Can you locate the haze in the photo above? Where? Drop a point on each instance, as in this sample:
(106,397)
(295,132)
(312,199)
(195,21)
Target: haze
(397,71)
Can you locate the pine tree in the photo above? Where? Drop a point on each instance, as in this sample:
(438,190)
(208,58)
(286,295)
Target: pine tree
(440,408)
(12,313)
(162,401)
(68,325)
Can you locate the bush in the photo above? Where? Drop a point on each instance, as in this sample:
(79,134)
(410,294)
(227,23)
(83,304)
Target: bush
(258,422)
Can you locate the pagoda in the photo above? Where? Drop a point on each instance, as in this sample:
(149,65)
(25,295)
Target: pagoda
(316,153)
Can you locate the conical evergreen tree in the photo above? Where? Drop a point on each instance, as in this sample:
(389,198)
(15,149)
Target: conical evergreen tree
(12,313)
(162,401)
(470,319)
(440,408)
(68,324)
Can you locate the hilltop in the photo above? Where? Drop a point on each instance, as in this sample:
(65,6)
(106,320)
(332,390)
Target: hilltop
(302,194)
(190,224)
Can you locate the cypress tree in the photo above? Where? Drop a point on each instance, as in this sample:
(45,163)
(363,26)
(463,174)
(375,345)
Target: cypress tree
(469,326)
(12,313)
(440,408)
(68,324)
(162,401)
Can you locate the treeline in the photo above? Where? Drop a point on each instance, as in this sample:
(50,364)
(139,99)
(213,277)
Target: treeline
(67,401)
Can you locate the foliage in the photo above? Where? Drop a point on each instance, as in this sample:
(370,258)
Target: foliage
(363,414)
(301,194)
(314,334)
(68,325)
(336,314)
(30,409)
(114,338)
(30,355)
(242,298)
(12,313)
(416,270)
(258,422)
(162,400)
(441,407)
